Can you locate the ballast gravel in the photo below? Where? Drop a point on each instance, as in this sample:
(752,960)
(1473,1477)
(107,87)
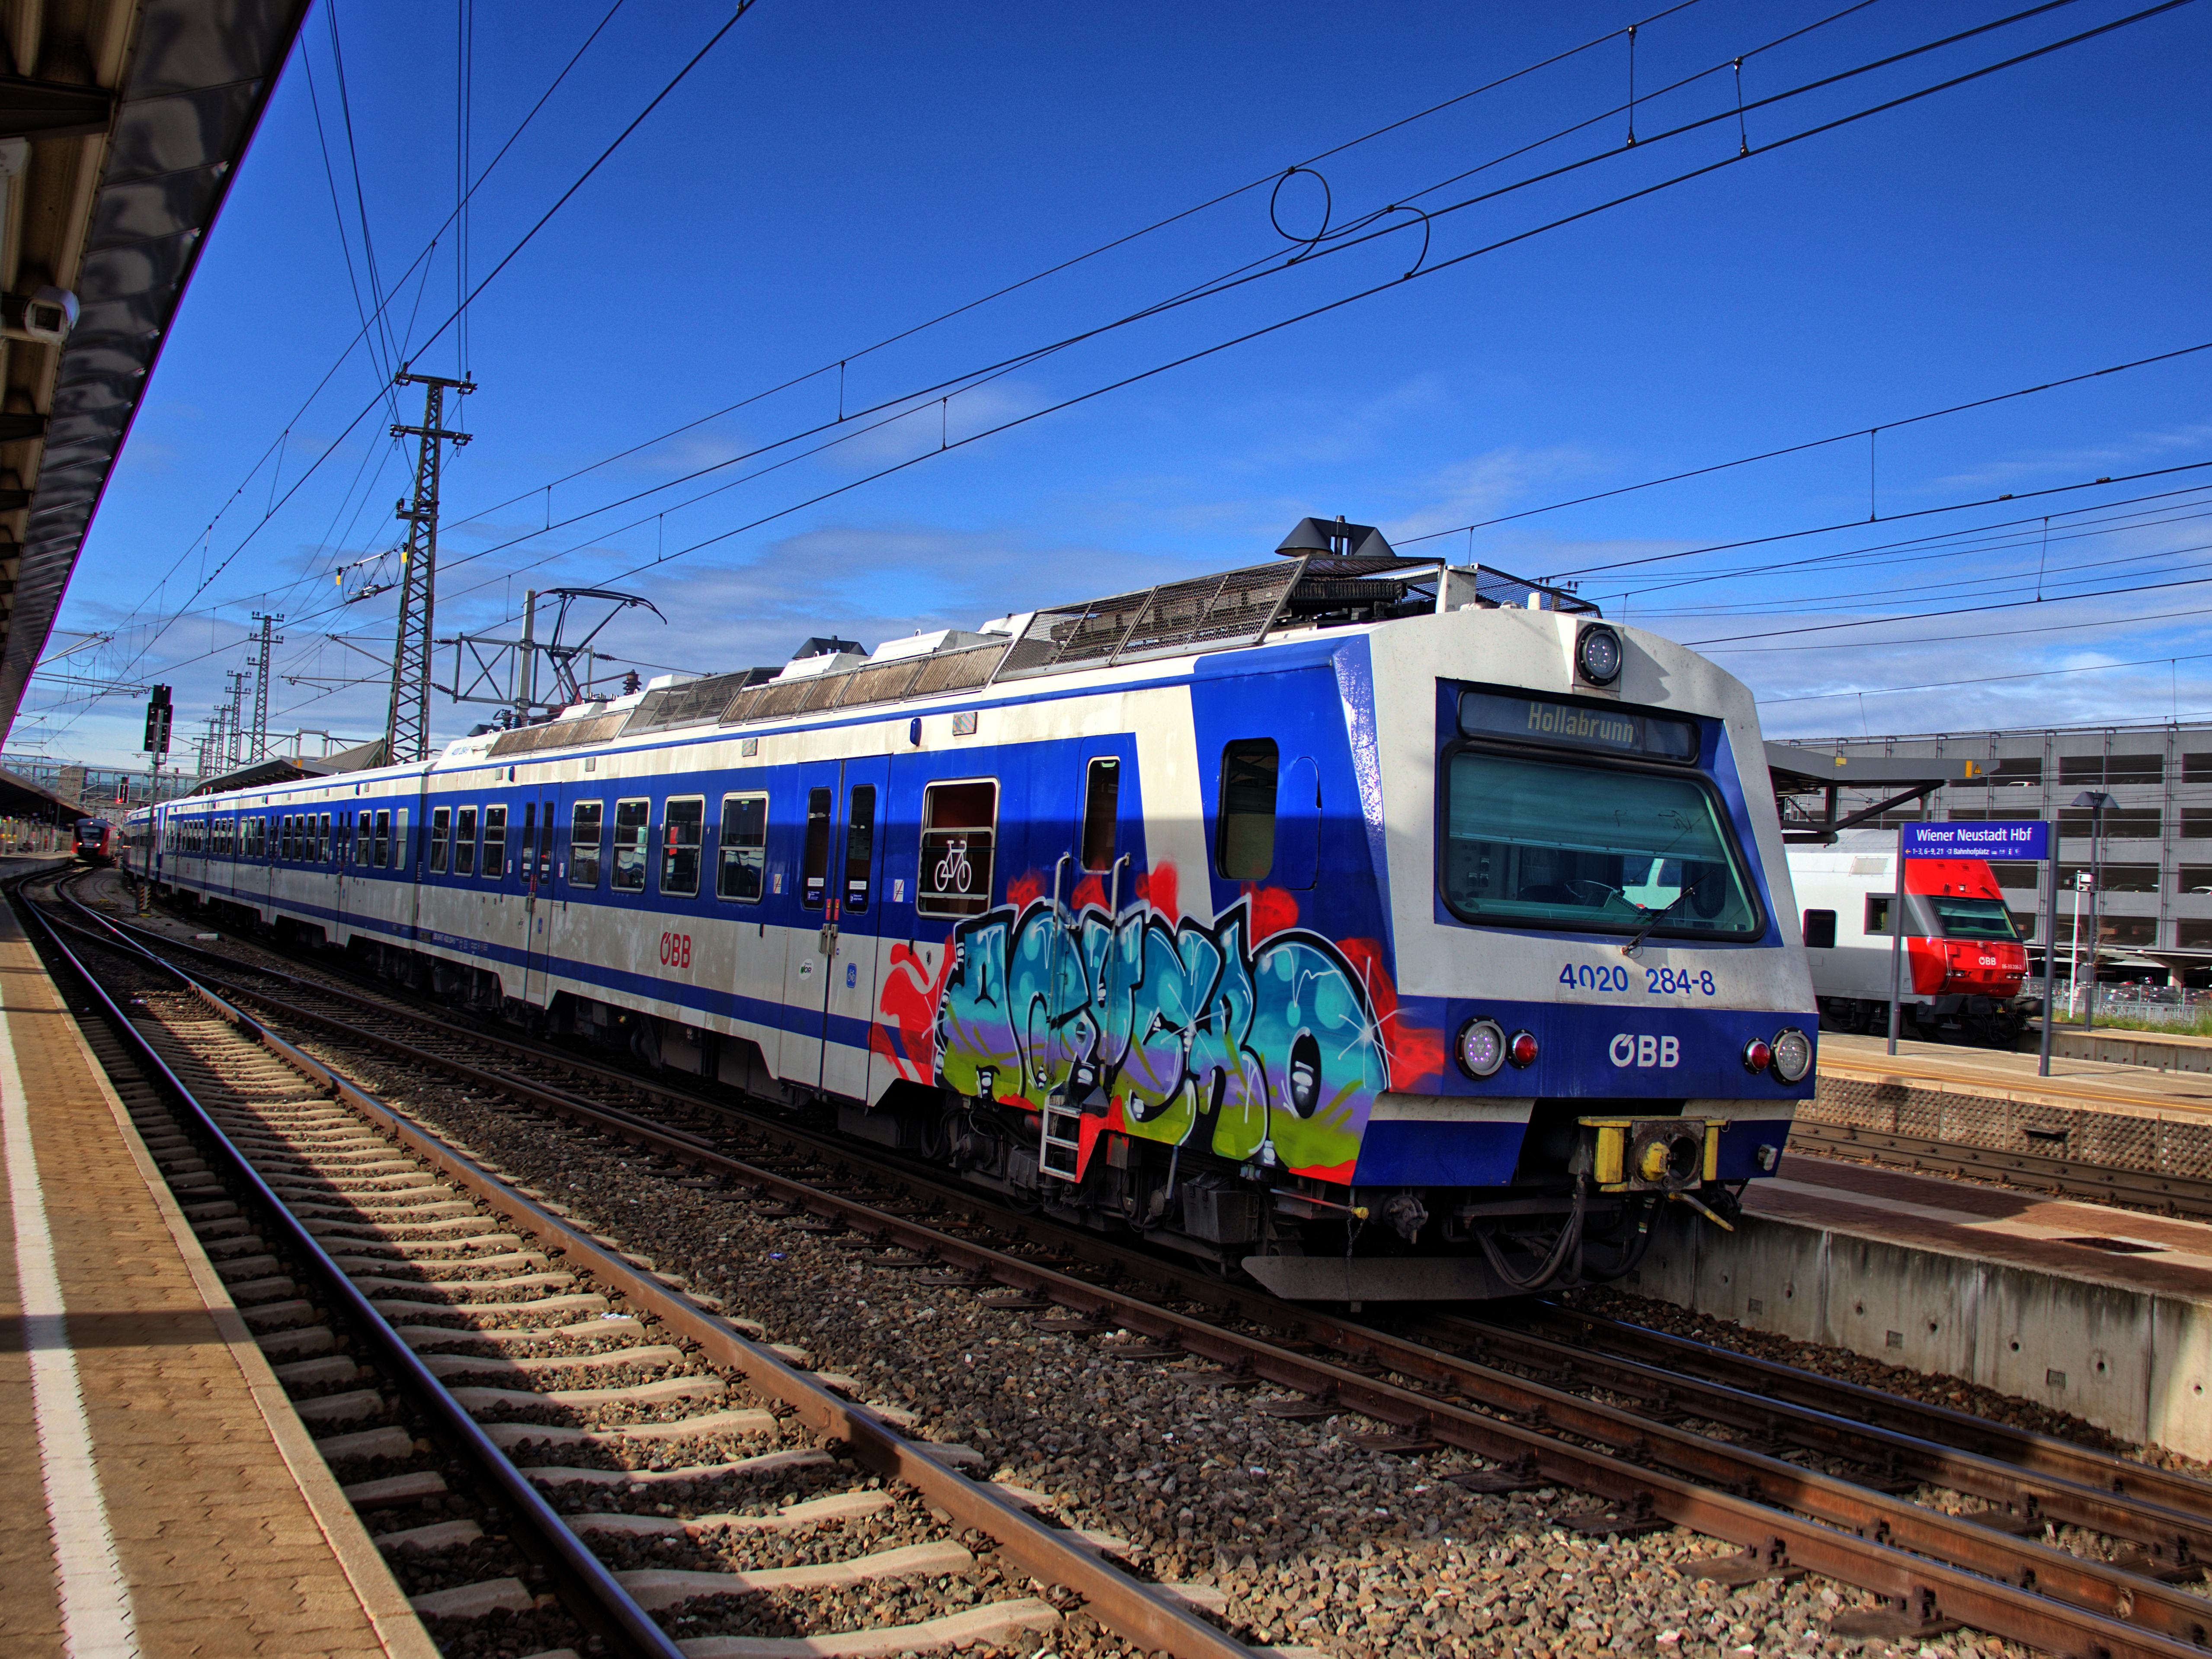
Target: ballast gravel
(1314,1542)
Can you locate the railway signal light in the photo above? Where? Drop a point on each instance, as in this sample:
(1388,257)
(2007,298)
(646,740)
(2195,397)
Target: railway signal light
(158,715)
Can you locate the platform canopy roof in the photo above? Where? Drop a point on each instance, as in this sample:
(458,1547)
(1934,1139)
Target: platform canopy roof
(291,768)
(20,798)
(1809,786)
(122,125)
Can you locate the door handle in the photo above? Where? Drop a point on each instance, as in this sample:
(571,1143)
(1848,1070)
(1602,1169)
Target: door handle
(827,944)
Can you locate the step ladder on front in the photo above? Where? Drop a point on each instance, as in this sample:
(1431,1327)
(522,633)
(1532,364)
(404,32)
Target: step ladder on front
(1059,1144)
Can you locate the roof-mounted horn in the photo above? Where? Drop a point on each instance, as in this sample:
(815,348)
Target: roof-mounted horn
(1336,539)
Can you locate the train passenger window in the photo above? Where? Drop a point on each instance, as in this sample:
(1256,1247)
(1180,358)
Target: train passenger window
(959,823)
(1102,801)
(381,856)
(584,826)
(441,835)
(494,845)
(1819,930)
(323,840)
(682,829)
(284,836)
(860,844)
(1589,847)
(1245,834)
(1877,914)
(814,870)
(465,841)
(744,848)
(632,818)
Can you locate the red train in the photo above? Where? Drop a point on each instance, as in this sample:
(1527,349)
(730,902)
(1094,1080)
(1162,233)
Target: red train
(1965,960)
(97,840)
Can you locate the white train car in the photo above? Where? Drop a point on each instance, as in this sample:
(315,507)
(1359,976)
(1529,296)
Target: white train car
(1963,961)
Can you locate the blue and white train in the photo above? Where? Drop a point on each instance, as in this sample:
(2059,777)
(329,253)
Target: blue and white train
(1386,929)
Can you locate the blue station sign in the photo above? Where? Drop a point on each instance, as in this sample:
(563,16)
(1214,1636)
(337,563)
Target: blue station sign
(1969,839)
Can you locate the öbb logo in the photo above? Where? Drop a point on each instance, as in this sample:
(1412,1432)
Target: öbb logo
(1645,1051)
(676,950)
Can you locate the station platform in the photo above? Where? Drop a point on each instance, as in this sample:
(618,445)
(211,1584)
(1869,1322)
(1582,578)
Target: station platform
(158,1495)
(2102,1313)
(2128,1115)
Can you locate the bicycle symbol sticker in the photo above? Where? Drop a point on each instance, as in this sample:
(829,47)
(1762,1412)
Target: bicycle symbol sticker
(954,873)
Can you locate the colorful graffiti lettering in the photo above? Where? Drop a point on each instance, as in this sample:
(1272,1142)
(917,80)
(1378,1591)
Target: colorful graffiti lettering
(1168,1029)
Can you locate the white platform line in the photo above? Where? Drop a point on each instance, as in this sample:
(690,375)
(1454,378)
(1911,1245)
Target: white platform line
(96,1619)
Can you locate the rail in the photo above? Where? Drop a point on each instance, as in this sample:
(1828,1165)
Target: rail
(2066,1177)
(1127,1606)
(1641,1462)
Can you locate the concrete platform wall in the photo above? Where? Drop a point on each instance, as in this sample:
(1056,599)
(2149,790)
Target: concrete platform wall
(2131,1362)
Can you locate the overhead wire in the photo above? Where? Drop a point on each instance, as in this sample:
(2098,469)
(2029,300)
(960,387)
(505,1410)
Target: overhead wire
(1983,679)
(1910,553)
(1102,249)
(922,397)
(1810,443)
(419,260)
(744,6)
(1275,263)
(908,403)
(1684,177)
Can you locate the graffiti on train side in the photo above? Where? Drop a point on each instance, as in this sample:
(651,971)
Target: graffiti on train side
(1179,1032)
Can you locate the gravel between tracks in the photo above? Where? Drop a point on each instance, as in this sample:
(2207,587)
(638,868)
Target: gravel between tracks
(1314,1541)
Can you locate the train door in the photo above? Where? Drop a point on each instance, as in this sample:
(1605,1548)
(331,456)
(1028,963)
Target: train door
(856,868)
(534,866)
(1088,865)
(808,946)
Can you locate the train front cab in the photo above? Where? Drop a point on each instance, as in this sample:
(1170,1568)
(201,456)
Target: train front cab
(1602,1007)
(1964,961)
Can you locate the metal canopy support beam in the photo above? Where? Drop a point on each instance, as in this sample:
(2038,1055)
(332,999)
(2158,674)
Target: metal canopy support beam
(1796,772)
(52,109)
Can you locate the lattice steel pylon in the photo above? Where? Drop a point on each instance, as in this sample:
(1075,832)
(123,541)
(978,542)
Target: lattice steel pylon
(257,745)
(407,721)
(228,752)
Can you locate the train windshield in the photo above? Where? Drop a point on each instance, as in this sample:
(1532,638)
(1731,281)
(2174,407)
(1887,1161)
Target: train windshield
(1971,918)
(1569,844)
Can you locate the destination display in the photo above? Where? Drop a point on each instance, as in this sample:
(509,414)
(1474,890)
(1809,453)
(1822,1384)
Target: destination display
(2028,838)
(1575,726)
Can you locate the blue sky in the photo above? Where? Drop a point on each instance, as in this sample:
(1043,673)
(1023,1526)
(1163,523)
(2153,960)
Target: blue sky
(831,175)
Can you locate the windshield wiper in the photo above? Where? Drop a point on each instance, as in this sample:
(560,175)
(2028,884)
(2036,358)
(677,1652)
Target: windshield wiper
(1652,919)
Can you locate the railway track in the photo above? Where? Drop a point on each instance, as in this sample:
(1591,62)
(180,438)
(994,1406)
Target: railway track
(2059,1177)
(572,1381)
(2023,1536)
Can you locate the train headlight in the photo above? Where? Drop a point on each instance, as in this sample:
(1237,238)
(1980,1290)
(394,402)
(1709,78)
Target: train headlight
(1597,654)
(1793,1054)
(1521,1049)
(1757,1056)
(1480,1048)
